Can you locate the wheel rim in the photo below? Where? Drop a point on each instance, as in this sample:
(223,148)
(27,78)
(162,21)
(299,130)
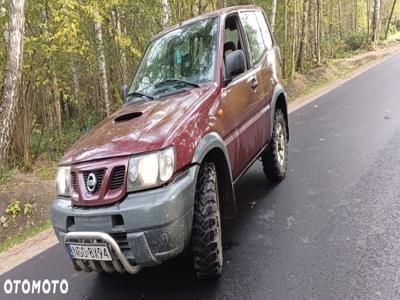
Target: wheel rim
(280,144)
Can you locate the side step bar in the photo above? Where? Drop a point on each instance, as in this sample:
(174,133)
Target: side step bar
(117,255)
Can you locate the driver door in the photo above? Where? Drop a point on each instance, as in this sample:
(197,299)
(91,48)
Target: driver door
(235,100)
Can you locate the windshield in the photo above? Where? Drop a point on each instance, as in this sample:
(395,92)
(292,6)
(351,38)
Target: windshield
(185,57)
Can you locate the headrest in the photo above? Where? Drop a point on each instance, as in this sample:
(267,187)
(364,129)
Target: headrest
(229,46)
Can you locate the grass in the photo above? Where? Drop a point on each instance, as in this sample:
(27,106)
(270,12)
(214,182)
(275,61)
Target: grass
(394,36)
(333,70)
(314,81)
(47,171)
(6,176)
(19,238)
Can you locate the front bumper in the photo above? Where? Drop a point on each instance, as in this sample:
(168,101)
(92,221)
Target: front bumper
(148,227)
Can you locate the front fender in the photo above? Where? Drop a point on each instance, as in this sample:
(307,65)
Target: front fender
(212,148)
(208,142)
(278,91)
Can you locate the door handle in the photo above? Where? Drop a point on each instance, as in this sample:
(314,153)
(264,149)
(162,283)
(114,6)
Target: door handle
(254,84)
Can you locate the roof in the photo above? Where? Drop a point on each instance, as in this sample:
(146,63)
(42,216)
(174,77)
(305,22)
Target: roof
(215,13)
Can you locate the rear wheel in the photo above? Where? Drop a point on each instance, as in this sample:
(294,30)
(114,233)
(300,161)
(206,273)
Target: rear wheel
(206,234)
(274,158)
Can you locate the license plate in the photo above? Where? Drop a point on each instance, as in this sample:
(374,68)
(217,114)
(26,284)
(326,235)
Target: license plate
(89,251)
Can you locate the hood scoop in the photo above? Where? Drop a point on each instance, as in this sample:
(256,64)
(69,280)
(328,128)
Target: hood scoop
(127,117)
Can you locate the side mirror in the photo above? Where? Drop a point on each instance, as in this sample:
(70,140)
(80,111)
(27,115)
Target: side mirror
(124,92)
(234,65)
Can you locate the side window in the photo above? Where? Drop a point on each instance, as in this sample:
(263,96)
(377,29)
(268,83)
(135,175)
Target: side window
(264,29)
(254,36)
(232,37)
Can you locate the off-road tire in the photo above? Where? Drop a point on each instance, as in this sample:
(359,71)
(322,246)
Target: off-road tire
(206,233)
(274,164)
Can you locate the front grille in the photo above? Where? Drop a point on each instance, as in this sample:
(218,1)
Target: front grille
(74,182)
(117,178)
(99,177)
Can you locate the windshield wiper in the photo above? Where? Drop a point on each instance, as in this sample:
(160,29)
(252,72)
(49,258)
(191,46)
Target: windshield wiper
(139,94)
(178,81)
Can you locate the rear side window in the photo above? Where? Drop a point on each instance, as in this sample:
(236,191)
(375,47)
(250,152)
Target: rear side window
(264,29)
(254,36)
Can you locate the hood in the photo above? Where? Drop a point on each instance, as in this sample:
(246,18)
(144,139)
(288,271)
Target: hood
(136,128)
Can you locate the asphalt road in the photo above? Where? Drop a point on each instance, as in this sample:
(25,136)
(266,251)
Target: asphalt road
(331,230)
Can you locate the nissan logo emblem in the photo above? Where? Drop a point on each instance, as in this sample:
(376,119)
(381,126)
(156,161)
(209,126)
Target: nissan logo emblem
(91,182)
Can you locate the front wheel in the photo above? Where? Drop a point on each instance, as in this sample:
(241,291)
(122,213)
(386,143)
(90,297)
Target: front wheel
(274,158)
(206,234)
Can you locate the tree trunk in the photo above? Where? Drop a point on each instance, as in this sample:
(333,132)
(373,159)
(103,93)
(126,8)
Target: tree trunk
(202,7)
(318,32)
(339,16)
(12,75)
(376,21)
(26,118)
(166,13)
(27,99)
(355,15)
(54,80)
(102,62)
(303,40)
(56,98)
(294,44)
(75,79)
(192,10)
(331,26)
(180,10)
(120,51)
(273,14)
(285,24)
(390,19)
(368,17)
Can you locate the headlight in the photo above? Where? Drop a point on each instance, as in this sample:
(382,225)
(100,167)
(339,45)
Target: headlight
(63,181)
(167,164)
(151,170)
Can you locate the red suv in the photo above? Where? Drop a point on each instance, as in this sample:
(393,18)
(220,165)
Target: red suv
(157,175)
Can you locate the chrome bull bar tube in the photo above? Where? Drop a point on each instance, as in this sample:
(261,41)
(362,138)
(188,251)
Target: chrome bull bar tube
(116,251)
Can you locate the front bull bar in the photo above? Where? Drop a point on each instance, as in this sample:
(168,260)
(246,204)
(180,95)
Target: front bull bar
(119,261)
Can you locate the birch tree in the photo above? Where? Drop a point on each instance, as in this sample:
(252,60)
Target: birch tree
(12,76)
(75,80)
(202,6)
(285,24)
(294,44)
(368,16)
(273,14)
(304,36)
(120,50)
(102,60)
(318,31)
(376,21)
(166,13)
